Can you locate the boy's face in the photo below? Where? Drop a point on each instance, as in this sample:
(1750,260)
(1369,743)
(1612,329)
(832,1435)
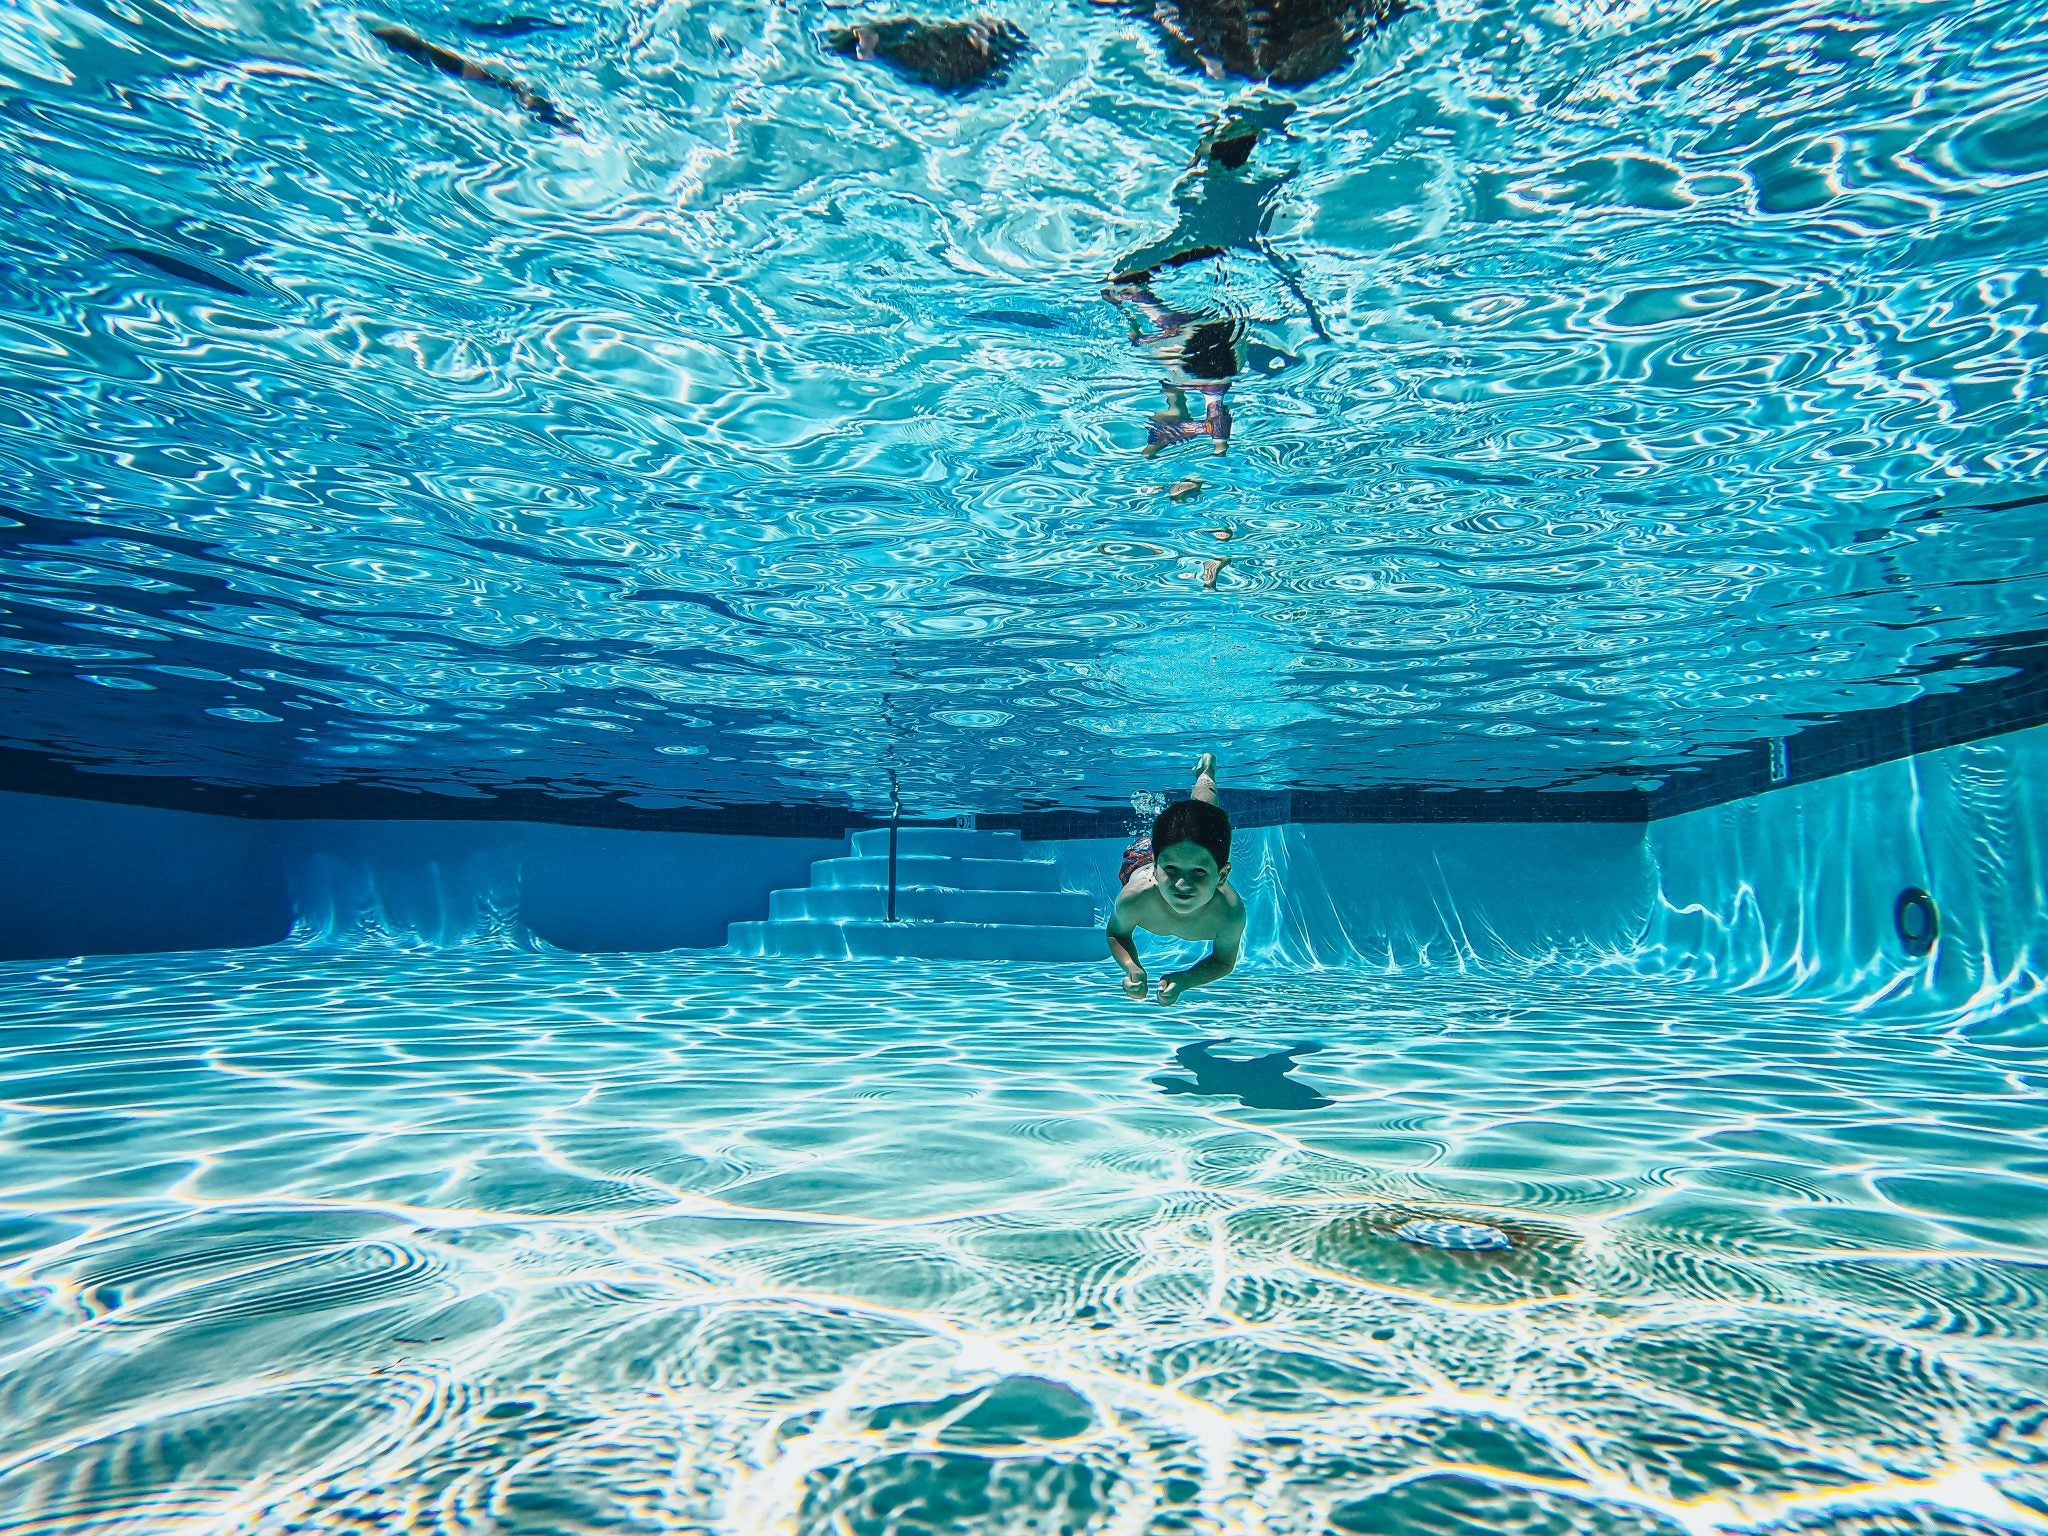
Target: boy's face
(1187,876)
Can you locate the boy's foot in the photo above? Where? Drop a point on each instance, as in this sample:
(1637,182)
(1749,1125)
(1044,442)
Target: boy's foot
(1205,766)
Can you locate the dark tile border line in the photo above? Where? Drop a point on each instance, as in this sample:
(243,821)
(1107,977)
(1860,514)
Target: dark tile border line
(31,773)
(1402,804)
(1973,712)
(1820,750)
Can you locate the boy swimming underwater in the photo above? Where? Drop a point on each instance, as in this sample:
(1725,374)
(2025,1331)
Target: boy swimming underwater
(1176,882)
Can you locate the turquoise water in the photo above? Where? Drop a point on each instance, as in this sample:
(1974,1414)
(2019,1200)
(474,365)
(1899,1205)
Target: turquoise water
(682,415)
(309,1240)
(770,431)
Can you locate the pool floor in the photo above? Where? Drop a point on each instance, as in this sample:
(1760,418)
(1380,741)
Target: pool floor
(306,1240)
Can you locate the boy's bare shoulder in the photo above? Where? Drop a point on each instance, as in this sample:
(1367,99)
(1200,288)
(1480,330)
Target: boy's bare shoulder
(1231,904)
(1138,900)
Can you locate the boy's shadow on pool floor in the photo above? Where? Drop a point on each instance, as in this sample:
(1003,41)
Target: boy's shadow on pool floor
(1259,1083)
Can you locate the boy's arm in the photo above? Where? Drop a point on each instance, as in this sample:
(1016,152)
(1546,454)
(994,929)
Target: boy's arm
(1221,961)
(1122,921)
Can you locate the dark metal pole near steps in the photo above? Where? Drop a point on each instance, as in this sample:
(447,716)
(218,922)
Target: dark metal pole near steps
(895,815)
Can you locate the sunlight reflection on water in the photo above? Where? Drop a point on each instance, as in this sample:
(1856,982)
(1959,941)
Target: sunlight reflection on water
(1680,386)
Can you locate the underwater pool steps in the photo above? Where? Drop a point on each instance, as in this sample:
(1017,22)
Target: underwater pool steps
(950,842)
(935,874)
(961,894)
(934,904)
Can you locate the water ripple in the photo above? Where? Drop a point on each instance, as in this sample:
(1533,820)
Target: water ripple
(1651,333)
(349,1241)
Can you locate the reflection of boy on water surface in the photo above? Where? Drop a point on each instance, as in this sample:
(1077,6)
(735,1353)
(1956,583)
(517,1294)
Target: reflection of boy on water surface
(1222,207)
(1223,204)
(1199,352)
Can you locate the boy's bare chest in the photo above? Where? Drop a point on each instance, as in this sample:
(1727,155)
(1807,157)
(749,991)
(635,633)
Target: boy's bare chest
(1157,917)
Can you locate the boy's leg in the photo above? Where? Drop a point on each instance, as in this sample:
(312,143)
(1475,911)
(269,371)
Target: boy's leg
(1205,779)
(1173,425)
(1216,417)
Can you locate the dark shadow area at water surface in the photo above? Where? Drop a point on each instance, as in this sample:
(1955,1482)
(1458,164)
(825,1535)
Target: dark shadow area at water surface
(949,56)
(409,44)
(1224,203)
(1258,1083)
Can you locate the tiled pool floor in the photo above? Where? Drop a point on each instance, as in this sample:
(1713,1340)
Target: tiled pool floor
(495,1241)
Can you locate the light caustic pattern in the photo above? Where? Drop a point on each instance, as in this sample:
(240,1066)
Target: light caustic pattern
(301,1242)
(1683,382)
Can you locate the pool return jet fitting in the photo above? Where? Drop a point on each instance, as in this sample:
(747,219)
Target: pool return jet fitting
(1916,921)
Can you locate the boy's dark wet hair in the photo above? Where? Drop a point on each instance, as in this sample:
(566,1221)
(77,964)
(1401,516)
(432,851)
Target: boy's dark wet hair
(1193,821)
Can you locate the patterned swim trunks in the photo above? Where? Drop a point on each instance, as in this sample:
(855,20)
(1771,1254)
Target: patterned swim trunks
(1136,857)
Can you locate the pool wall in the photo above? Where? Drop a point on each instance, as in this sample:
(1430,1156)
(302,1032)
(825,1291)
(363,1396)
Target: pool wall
(1796,889)
(1791,890)
(579,888)
(1399,895)
(84,877)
